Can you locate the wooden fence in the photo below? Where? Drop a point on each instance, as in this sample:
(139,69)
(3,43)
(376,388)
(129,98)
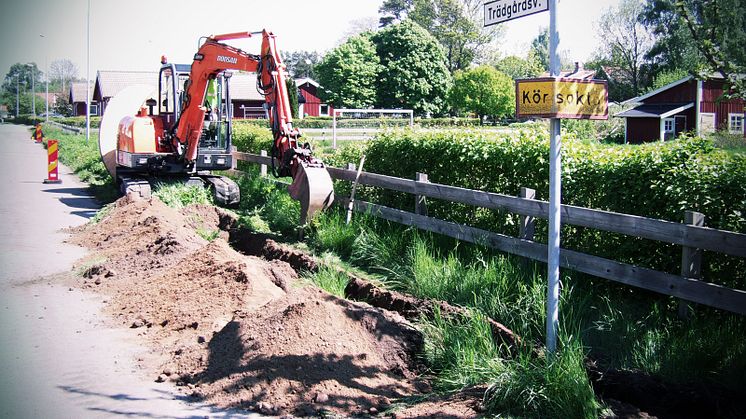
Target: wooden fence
(691,235)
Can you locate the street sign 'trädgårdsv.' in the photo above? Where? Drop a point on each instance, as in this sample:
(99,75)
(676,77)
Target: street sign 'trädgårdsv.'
(503,10)
(550,97)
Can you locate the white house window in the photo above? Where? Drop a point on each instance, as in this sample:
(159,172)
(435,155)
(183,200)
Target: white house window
(94,109)
(735,123)
(324,110)
(668,125)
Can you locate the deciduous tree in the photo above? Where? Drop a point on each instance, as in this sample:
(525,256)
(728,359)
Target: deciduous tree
(348,74)
(484,91)
(674,48)
(20,77)
(62,71)
(456,24)
(520,68)
(718,28)
(626,41)
(414,74)
(292,96)
(302,63)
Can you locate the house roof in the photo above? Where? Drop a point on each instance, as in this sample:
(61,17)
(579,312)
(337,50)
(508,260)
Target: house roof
(109,83)
(577,73)
(639,99)
(304,80)
(77,92)
(655,110)
(243,87)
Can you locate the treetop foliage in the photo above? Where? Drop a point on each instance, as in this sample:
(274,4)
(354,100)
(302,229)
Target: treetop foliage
(413,73)
(484,91)
(349,73)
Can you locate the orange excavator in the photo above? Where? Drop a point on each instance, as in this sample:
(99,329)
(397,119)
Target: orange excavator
(184,130)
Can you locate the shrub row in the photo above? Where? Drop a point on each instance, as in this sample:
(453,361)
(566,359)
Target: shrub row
(653,180)
(326,122)
(79,121)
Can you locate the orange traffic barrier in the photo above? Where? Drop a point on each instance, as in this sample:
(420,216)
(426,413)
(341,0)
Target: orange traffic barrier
(52,176)
(38,134)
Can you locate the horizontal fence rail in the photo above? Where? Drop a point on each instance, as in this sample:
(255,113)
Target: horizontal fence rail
(727,242)
(689,236)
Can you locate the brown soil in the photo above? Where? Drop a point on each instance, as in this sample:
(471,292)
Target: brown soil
(237,330)
(466,404)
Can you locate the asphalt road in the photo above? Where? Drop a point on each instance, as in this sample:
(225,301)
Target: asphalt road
(57,358)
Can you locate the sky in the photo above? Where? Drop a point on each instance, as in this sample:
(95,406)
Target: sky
(133,34)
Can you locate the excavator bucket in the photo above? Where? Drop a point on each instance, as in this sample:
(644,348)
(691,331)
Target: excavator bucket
(314,189)
(125,103)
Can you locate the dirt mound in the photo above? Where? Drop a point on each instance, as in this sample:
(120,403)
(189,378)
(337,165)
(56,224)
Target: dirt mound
(237,330)
(310,351)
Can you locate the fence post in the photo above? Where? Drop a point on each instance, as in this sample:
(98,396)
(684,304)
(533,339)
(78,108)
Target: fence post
(334,129)
(691,260)
(234,160)
(528,224)
(420,204)
(263,167)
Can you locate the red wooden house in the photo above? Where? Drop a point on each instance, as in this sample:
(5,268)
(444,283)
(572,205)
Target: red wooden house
(686,105)
(77,98)
(309,103)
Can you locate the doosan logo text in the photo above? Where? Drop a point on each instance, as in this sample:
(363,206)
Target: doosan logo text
(224,59)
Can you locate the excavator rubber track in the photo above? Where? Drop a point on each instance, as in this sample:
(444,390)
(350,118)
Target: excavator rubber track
(225,191)
(134,185)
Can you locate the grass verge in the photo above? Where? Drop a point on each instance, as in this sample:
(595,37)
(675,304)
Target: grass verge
(84,159)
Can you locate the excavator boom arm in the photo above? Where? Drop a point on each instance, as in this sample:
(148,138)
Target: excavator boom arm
(214,57)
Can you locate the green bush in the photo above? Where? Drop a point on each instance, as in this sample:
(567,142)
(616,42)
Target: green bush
(79,121)
(652,180)
(26,120)
(179,195)
(252,138)
(346,122)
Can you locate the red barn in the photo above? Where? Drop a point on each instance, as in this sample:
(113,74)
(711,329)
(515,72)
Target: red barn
(309,103)
(686,105)
(246,100)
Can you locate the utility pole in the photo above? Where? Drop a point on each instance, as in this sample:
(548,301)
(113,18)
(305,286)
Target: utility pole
(33,90)
(555,188)
(88,77)
(18,77)
(46,79)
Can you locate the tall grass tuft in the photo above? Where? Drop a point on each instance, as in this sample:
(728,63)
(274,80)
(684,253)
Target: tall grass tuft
(179,195)
(555,386)
(268,201)
(331,232)
(461,351)
(330,280)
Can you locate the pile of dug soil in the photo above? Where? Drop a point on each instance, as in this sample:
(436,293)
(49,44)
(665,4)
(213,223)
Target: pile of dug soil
(237,330)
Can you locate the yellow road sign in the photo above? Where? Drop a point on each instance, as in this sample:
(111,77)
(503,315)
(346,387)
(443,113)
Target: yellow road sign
(562,98)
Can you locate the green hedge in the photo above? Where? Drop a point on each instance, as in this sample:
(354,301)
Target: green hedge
(79,121)
(25,120)
(653,180)
(326,122)
(250,138)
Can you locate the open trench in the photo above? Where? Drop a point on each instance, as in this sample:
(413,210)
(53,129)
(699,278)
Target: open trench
(229,326)
(629,393)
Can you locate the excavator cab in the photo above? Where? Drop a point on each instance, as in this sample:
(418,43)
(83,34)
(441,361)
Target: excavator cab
(214,150)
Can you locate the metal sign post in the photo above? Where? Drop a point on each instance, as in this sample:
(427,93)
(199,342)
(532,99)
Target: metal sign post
(551,97)
(555,188)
